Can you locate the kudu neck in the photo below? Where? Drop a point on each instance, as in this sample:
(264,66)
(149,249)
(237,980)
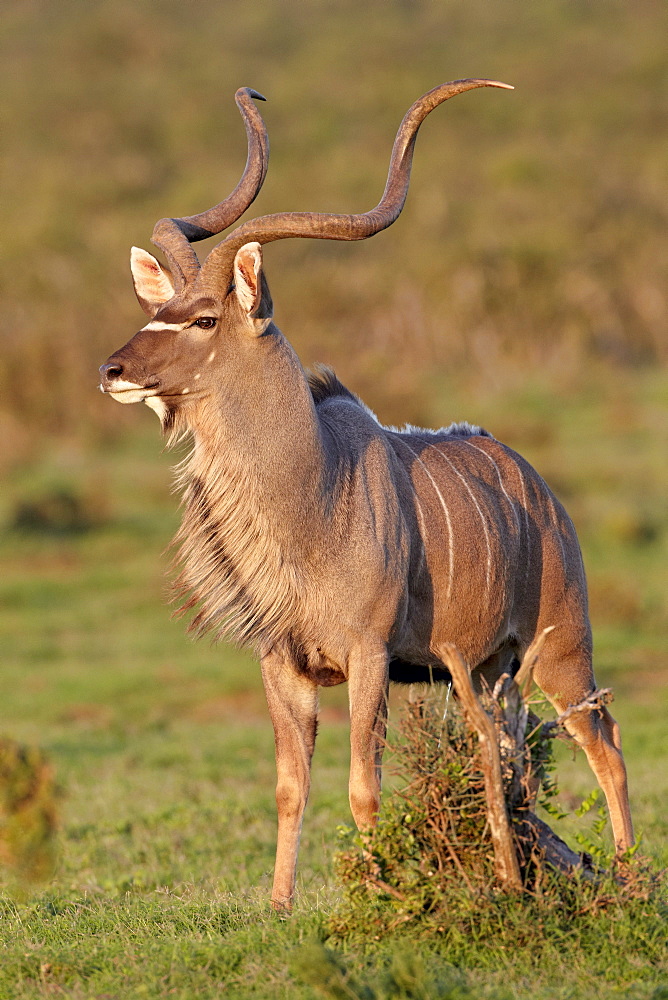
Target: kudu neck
(259,432)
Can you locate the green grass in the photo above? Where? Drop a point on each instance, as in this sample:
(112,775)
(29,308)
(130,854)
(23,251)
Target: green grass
(164,753)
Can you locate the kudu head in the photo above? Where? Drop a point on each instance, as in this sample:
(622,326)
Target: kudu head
(197,313)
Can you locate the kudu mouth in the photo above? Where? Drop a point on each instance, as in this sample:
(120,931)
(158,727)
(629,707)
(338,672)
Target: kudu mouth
(123,390)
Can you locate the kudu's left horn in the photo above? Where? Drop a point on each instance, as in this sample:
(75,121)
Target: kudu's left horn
(324,226)
(174,236)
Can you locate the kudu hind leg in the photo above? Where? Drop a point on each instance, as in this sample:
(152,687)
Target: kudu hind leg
(596,732)
(293,706)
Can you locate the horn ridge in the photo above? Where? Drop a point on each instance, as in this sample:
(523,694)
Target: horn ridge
(317,225)
(174,236)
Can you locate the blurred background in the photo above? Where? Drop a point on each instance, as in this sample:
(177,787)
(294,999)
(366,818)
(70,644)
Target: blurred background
(524,287)
(532,246)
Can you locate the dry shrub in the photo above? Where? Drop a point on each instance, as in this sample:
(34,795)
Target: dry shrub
(436,832)
(27,815)
(429,865)
(432,841)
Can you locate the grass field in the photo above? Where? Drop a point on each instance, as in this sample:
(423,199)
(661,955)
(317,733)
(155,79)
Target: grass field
(164,753)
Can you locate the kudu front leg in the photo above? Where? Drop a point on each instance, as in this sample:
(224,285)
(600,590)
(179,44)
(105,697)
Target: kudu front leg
(368,684)
(293,706)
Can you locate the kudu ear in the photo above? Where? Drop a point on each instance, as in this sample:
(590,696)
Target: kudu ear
(153,282)
(251,289)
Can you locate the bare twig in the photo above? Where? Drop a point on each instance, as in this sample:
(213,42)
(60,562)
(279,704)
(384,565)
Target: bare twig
(451,851)
(378,883)
(505,858)
(533,833)
(524,676)
(596,700)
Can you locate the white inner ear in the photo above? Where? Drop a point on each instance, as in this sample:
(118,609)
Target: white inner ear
(152,281)
(247,267)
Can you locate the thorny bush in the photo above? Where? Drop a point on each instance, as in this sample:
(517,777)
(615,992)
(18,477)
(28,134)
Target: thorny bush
(429,864)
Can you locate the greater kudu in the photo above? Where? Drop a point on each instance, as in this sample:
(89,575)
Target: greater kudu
(342,550)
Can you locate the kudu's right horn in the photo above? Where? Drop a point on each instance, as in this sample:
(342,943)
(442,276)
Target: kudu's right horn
(325,226)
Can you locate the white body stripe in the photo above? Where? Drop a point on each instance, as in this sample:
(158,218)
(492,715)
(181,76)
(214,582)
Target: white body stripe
(477,507)
(445,511)
(423,528)
(501,483)
(526,525)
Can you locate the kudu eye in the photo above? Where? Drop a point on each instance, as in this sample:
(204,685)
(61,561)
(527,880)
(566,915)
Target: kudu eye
(205,322)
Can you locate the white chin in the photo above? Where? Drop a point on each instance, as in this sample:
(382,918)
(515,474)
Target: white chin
(156,404)
(129,395)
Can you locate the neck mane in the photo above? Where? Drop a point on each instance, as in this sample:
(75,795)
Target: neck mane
(255,502)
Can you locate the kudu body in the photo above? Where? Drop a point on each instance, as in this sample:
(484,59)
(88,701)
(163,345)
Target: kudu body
(339,549)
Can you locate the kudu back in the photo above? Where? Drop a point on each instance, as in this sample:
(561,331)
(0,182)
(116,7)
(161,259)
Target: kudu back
(339,549)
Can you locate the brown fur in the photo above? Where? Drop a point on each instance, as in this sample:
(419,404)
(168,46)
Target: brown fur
(339,549)
(342,550)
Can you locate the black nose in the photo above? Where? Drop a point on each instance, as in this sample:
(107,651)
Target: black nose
(110,371)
